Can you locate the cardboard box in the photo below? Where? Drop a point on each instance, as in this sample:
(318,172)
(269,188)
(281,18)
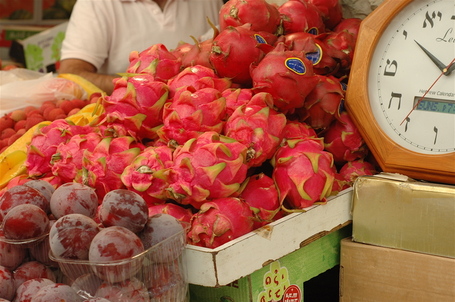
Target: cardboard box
(373,273)
(282,279)
(394,211)
(42,51)
(245,255)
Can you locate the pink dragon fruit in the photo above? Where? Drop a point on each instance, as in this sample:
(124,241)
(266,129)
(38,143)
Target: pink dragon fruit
(353,169)
(331,11)
(192,113)
(102,168)
(157,61)
(344,140)
(137,103)
(67,160)
(351,25)
(198,77)
(303,173)
(297,130)
(287,75)
(339,183)
(175,210)
(262,15)
(208,167)
(219,221)
(322,104)
(236,97)
(315,50)
(340,46)
(258,127)
(44,145)
(301,16)
(234,50)
(198,54)
(148,174)
(260,193)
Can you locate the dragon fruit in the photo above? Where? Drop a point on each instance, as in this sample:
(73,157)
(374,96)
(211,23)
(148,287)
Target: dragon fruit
(157,61)
(260,193)
(208,167)
(353,169)
(175,210)
(297,130)
(301,16)
(197,77)
(258,127)
(236,97)
(44,145)
(234,50)
(192,113)
(148,174)
(322,104)
(339,183)
(351,25)
(198,54)
(102,168)
(67,160)
(287,75)
(331,11)
(219,221)
(344,140)
(303,173)
(136,103)
(340,46)
(315,50)
(262,15)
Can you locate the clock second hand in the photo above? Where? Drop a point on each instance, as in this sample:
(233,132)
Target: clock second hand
(451,64)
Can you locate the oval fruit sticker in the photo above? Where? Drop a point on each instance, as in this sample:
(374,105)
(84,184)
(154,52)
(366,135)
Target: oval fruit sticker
(296,65)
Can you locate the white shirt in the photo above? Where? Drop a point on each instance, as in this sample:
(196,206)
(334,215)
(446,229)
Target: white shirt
(104,32)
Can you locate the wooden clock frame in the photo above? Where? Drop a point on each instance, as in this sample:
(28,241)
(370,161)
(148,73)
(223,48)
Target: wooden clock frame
(390,156)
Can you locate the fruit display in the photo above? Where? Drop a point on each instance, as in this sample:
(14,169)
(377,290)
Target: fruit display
(211,140)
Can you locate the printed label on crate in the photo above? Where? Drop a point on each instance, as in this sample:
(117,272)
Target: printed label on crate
(277,286)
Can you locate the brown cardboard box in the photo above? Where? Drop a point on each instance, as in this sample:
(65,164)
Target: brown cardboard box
(391,210)
(372,273)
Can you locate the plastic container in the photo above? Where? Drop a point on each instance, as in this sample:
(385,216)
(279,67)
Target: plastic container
(157,274)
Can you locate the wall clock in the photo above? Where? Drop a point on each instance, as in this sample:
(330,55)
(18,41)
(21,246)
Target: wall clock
(401,90)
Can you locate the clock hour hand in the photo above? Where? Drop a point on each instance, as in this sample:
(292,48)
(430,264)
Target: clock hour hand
(449,69)
(435,60)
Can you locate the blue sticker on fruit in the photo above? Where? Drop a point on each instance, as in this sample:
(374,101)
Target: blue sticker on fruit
(316,56)
(296,65)
(313,31)
(260,39)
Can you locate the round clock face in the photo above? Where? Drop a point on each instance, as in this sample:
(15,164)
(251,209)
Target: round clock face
(410,56)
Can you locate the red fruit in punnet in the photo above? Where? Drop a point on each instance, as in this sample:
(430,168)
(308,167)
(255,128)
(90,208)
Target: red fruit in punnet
(129,290)
(220,221)
(42,186)
(166,281)
(74,198)
(25,221)
(22,194)
(287,75)
(262,15)
(260,193)
(26,291)
(7,288)
(40,250)
(56,292)
(11,255)
(301,16)
(70,236)
(116,243)
(124,208)
(234,50)
(30,270)
(331,11)
(156,60)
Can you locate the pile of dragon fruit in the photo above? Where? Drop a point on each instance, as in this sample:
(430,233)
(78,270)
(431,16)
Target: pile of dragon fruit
(230,133)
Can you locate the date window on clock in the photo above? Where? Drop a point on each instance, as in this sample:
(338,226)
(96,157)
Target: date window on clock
(435,105)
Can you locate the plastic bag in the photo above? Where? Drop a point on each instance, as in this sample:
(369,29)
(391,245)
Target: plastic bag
(21,88)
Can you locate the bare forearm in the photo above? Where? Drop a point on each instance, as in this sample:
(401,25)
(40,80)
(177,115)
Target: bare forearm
(88,71)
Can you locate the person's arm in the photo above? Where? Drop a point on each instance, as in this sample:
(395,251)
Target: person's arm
(89,72)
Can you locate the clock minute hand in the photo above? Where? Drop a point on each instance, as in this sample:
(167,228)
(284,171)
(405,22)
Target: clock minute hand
(435,60)
(449,69)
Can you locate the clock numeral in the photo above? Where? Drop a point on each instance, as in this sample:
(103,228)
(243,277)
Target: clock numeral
(408,119)
(430,18)
(405,34)
(391,68)
(393,97)
(435,129)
